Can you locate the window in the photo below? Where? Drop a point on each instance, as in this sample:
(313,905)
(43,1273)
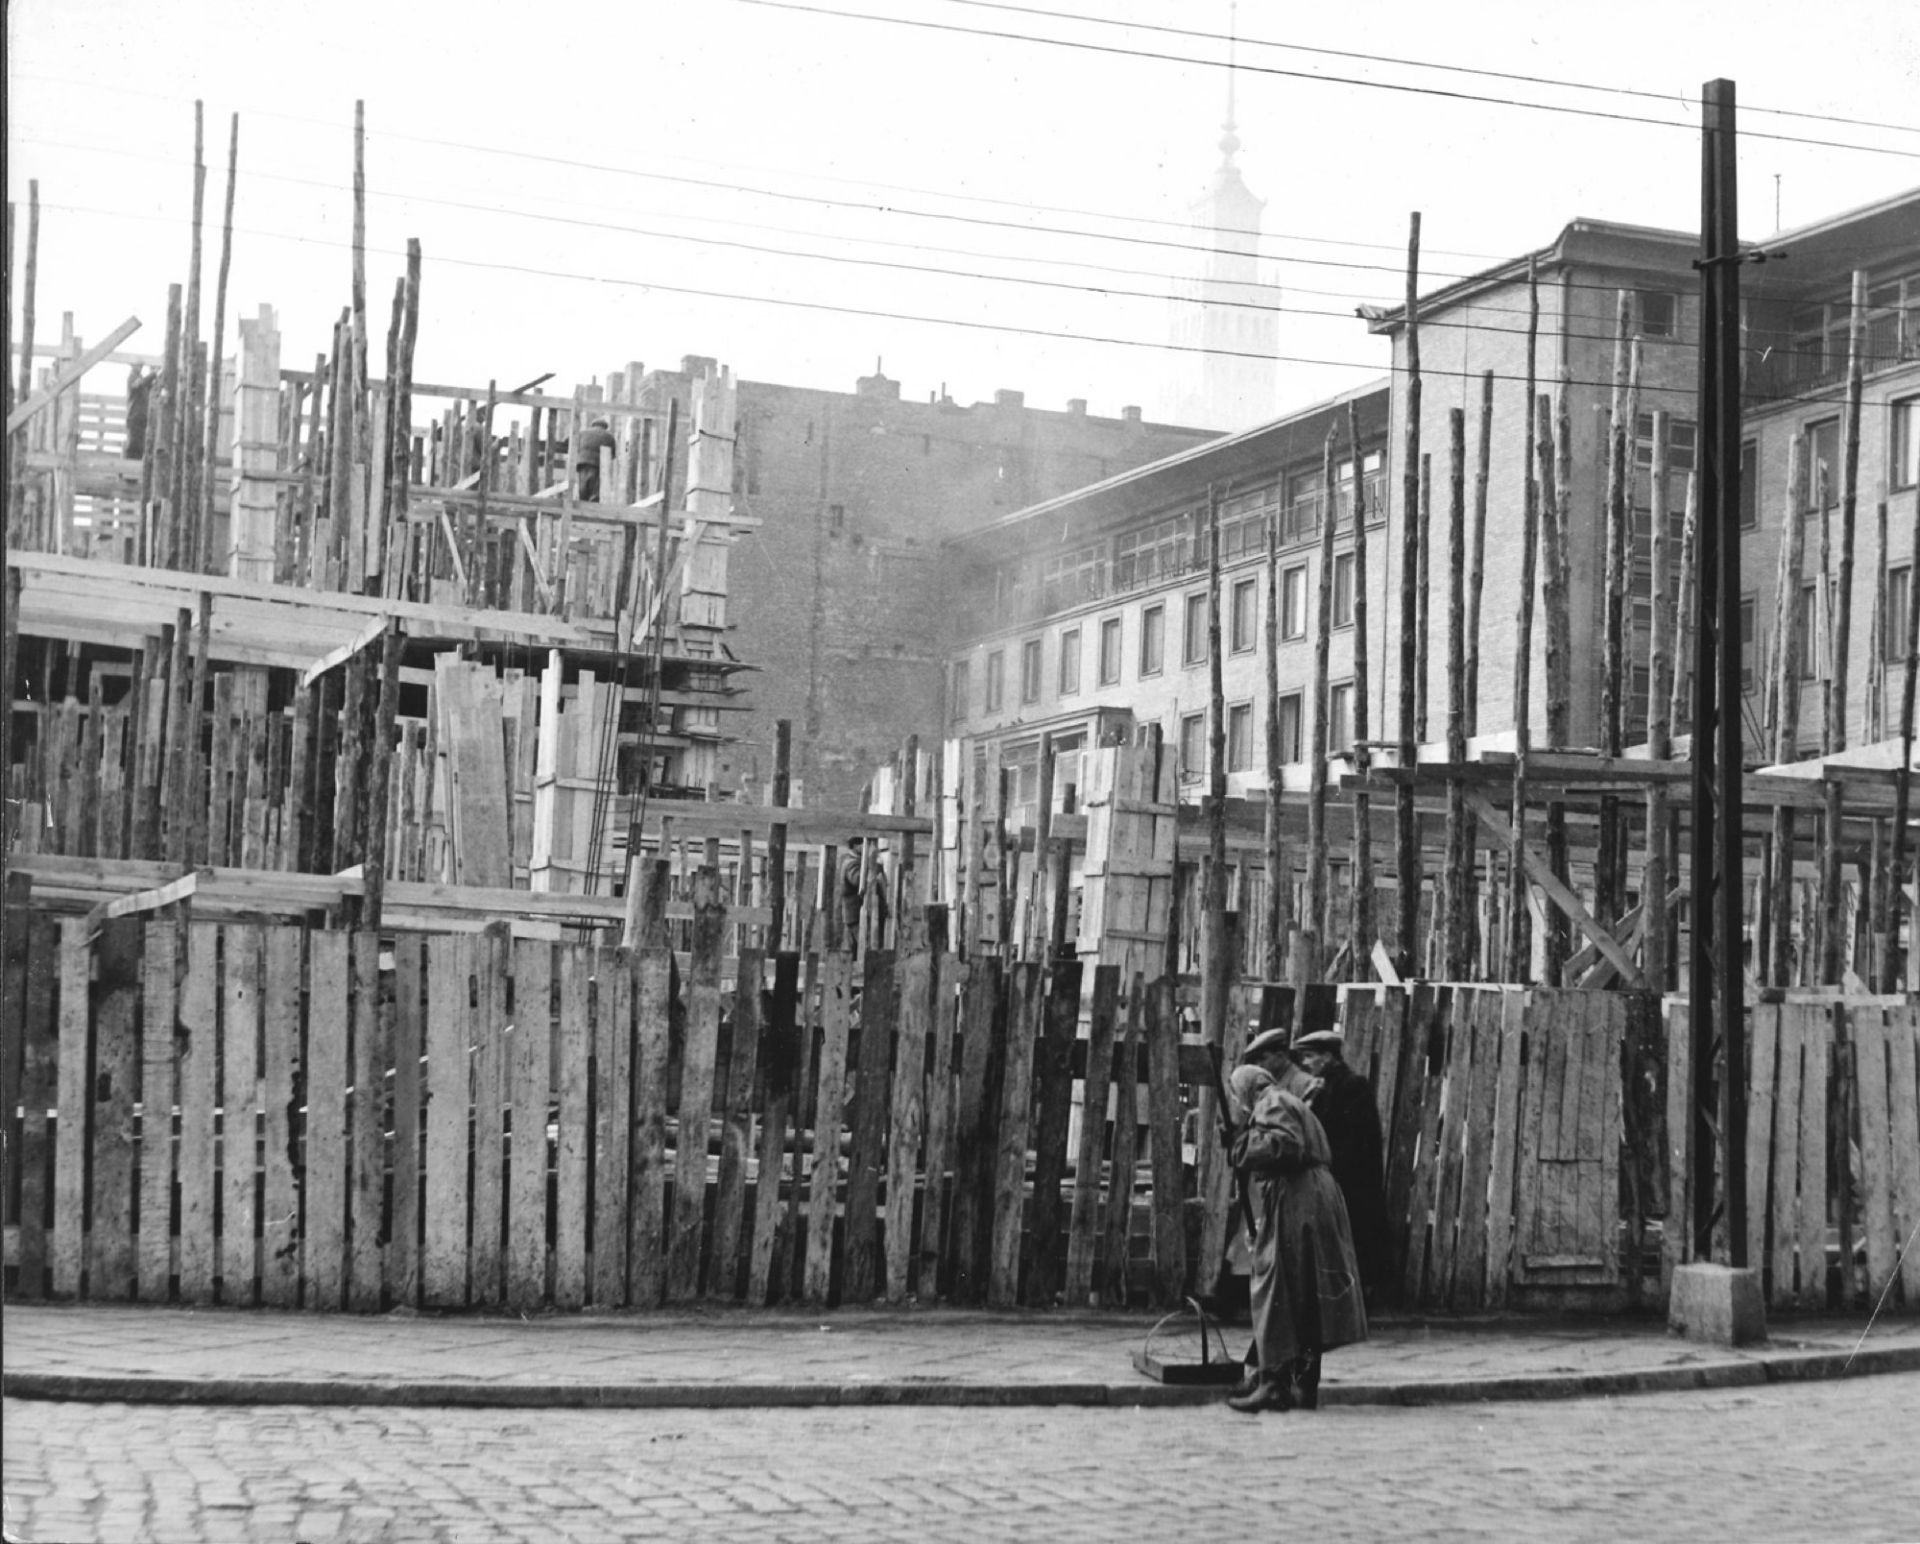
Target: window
(1070,662)
(1240,737)
(1747,625)
(1158,551)
(1290,729)
(1343,589)
(957,700)
(1899,599)
(1340,716)
(1823,465)
(996,679)
(1153,639)
(1030,670)
(1243,523)
(1904,441)
(1304,500)
(1749,486)
(1805,617)
(1193,746)
(1246,615)
(1069,578)
(1659,314)
(1193,635)
(1293,603)
(1110,651)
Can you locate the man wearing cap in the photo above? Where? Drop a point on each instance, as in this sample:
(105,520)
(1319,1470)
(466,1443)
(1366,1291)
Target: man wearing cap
(1350,1115)
(587,446)
(1305,1287)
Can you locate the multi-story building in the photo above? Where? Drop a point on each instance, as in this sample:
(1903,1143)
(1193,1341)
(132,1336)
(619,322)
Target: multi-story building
(838,593)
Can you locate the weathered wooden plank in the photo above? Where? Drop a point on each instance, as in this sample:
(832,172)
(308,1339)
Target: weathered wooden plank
(39,1093)
(1113,1269)
(1505,1123)
(492,959)
(736,1128)
(1083,1224)
(443,1258)
(280,1196)
(1025,1016)
(1462,1004)
(790,1255)
(1786,1160)
(697,1070)
(1409,1093)
(836,992)
(1053,1114)
(1467,1281)
(907,1121)
(530,1052)
(976,1122)
(1763,1059)
(199,1024)
(1554,1234)
(1903,1117)
(780,1063)
(632,1031)
(369,1058)
(158,1013)
(1816,1038)
(239,1113)
(1537,1092)
(15,917)
(1162,1029)
(933,1262)
(1600,1130)
(1426,1020)
(109,1256)
(1642,1129)
(1867,1028)
(323,1267)
(870,1072)
(74,1102)
(1676,1242)
(575,1138)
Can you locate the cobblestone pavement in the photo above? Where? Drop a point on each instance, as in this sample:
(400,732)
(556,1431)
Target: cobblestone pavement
(1784,1462)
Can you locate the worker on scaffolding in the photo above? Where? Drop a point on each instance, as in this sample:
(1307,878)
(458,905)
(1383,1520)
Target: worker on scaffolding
(857,885)
(139,401)
(587,446)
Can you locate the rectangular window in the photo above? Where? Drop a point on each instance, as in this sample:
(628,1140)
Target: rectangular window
(1748,622)
(1240,737)
(1193,632)
(1823,465)
(1153,639)
(1340,717)
(1070,662)
(1659,314)
(1246,615)
(1305,498)
(1193,747)
(1904,442)
(1030,670)
(1293,603)
(1110,651)
(1290,729)
(1749,486)
(1343,589)
(1899,599)
(957,703)
(996,679)
(1806,632)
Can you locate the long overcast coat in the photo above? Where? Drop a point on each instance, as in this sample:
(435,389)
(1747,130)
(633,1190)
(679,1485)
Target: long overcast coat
(1351,1119)
(1306,1282)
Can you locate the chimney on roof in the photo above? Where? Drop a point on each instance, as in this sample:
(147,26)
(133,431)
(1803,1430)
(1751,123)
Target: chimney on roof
(1077,406)
(1005,398)
(1130,414)
(877,385)
(698,365)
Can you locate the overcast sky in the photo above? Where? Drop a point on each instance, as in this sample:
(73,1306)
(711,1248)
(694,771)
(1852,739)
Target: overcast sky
(535,152)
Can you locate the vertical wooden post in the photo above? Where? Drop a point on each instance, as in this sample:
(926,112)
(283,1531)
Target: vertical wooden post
(180,552)
(1784,717)
(1903,786)
(1519,934)
(1423,624)
(210,450)
(17,450)
(777,835)
(1619,547)
(1477,561)
(1274,919)
(1555,490)
(1407,827)
(1360,929)
(1459,921)
(380,778)
(1315,939)
(1654,877)
(1217,969)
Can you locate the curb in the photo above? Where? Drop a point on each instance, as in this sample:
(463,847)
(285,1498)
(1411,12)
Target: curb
(1730,1372)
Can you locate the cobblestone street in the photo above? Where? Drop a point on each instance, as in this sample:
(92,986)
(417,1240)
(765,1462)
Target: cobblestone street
(1793,1462)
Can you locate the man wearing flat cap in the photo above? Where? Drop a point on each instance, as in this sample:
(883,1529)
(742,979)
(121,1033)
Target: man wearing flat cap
(1305,1288)
(1348,1112)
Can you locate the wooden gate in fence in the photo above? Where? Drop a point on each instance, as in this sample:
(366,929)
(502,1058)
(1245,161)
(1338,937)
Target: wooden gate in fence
(269,1115)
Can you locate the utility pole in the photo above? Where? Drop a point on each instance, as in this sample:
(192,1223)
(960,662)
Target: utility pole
(1716,975)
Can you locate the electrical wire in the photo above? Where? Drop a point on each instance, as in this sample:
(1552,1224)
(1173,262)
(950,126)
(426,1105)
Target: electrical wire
(1275,70)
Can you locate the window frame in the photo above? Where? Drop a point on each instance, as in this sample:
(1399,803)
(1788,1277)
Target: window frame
(1194,629)
(1111,628)
(996,680)
(1153,632)
(1292,705)
(1340,725)
(1068,684)
(1343,571)
(960,691)
(1292,627)
(1193,758)
(1250,589)
(1893,643)
(1240,736)
(1903,443)
(1749,485)
(1032,671)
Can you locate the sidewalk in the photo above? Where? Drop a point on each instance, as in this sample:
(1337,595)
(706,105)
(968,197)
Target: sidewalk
(734,1358)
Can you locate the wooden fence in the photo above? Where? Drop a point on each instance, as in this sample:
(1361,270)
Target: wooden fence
(348,1123)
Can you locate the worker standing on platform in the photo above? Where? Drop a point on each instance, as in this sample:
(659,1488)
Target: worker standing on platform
(139,400)
(586,459)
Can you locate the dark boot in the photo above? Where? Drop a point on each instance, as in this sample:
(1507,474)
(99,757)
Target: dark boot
(1269,1393)
(1249,1378)
(1306,1379)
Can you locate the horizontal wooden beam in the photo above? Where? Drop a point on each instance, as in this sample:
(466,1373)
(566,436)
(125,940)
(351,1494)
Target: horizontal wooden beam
(70,372)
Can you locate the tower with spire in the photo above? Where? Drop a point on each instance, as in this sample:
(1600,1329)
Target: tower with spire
(1225,321)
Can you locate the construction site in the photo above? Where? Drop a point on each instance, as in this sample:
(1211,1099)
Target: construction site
(377,934)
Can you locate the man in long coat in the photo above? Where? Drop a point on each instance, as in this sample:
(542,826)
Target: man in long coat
(1305,1289)
(1350,1115)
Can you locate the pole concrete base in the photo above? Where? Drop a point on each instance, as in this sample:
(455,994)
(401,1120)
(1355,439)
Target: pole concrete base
(1717,1303)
